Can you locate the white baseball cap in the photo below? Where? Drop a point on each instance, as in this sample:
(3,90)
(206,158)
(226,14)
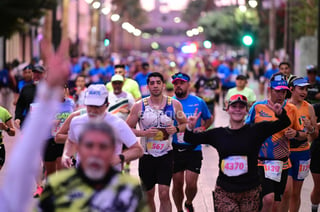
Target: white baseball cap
(96,95)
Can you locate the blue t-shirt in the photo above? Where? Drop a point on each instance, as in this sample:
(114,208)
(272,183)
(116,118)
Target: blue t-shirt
(270,72)
(142,81)
(97,75)
(76,68)
(189,106)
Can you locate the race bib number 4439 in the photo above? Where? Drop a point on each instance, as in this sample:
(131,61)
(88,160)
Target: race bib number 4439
(273,169)
(234,165)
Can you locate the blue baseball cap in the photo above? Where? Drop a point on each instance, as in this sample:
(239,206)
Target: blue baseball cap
(180,76)
(278,82)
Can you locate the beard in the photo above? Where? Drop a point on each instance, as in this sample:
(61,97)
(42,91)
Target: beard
(180,94)
(95,168)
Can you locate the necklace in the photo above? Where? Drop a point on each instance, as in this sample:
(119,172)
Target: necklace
(155,106)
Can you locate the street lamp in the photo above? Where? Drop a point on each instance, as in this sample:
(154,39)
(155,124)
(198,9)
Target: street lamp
(253,3)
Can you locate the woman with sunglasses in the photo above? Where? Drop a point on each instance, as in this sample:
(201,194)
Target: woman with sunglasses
(238,186)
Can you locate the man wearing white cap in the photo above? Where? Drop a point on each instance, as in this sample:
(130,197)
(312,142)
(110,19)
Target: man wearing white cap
(96,100)
(120,102)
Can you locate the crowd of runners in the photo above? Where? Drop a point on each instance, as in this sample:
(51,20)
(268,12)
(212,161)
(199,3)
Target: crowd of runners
(83,121)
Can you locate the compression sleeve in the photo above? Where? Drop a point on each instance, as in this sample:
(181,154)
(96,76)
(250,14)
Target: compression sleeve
(24,163)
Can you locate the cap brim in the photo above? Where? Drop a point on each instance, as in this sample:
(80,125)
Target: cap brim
(303,84)
(94,101)
(179,79)
(280,88)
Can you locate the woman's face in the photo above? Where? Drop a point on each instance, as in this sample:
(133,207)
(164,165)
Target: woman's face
(237,111)
(299,93)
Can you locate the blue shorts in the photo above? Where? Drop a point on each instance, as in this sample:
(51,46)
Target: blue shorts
(300,161)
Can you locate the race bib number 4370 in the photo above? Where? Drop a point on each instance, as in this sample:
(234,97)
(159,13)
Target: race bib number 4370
(234,165)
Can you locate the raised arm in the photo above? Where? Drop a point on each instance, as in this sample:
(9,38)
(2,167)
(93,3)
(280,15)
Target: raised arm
(23,165)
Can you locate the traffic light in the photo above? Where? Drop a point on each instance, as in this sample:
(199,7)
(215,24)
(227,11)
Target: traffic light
(247,40)
(106,42)
(207,44)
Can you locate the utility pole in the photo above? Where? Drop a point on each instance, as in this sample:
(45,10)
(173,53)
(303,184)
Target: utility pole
(272,28)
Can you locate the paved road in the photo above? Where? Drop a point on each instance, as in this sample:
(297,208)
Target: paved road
(203,200)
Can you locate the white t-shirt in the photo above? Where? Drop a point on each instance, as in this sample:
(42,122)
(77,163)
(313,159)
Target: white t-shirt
(116,102)
(123,132)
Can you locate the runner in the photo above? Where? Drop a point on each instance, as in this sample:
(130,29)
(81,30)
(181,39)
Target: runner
(238,185)
(187,158)
(26,96)
(129,85)
(6,124)
(300,152)
(156,115)
(241,88)
(275,150)
(94,185)
(96,101)
(120,102)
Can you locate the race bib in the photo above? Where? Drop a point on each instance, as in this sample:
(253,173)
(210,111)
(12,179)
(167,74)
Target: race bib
(304,167)
(180,136)
(273,169)
(234,165)
(156,148)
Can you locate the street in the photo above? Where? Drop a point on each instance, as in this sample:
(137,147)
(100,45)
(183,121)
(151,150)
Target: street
(203,200)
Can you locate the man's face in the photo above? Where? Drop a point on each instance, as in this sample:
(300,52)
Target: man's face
(180,88)
(27,75)
(120,71)
(95,112)
(37,76)
(80,82)
(312,75)
(278,96)
(97,63)
(284,69)
(155,86)
(96,151)
(117,87)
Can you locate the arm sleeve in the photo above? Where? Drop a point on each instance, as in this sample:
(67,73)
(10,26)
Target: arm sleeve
(206,137)
(268,128)
(24,163)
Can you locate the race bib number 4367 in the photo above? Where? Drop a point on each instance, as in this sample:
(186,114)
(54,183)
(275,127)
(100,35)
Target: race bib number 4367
(234,165)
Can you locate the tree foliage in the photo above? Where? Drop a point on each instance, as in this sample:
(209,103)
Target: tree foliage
(131,10)
(304,17)
(193,11)
(15,15)
(228,25)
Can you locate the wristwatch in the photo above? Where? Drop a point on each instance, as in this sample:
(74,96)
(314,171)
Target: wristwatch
(121,156)
(8,129)
(177,128)
(297,134)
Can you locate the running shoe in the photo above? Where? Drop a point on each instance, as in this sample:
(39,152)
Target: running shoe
(189,207)
(38,192)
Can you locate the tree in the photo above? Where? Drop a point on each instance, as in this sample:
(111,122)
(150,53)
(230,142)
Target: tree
(15,15)
(228,25)
(131,10)
(304,17)
(193,11)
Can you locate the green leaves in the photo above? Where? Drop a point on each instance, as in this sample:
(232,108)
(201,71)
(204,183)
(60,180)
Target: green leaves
(15,15)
